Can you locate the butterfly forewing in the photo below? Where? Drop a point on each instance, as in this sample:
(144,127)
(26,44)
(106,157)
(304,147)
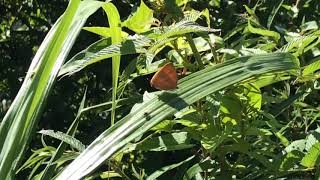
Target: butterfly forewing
(166,78)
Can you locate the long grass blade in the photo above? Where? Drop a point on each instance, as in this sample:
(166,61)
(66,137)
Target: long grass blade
(115,29)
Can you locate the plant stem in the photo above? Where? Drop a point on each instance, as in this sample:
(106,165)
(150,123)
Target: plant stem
(195,51)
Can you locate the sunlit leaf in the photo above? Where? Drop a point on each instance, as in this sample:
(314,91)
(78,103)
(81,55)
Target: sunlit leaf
(141,20)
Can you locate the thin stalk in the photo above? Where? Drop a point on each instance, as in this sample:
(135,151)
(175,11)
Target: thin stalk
(195,51)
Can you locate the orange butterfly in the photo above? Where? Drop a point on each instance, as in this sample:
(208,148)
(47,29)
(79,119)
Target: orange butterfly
(165,78)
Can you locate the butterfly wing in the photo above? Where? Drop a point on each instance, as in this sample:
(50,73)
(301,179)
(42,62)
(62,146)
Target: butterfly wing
(166,78)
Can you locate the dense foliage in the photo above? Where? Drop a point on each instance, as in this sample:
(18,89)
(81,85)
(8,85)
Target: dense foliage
(246,106)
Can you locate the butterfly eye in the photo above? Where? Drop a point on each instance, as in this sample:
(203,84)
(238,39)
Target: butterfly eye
(165,78)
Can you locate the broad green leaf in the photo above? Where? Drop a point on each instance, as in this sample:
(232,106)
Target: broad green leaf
(251,51)
(290,160)
(141,20)
(180,28)
(312,157)
(213,136)
(231,109)
(253,93)
(300,44)
(244,99)
(164,103)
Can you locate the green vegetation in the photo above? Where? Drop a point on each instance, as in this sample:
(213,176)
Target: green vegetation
(247,107)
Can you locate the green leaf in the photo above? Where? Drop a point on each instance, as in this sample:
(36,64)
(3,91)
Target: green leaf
(104,31)
(298,145)
(269,79)
(182,27)
(263,32)
(47,173)
(103,49)
(40,154)
(141,20)
(273,14)
(301,44)
(115,30)
(312,157)
(231,109)
(163,170)
(65,138)
(253,94)
(311,68)
(156,40)
(164,103)
(279,108)
(290,160)
(165,125)
(206,14)
(205,165)
(311,25)
(109,174)
(212,136)
(169,142)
